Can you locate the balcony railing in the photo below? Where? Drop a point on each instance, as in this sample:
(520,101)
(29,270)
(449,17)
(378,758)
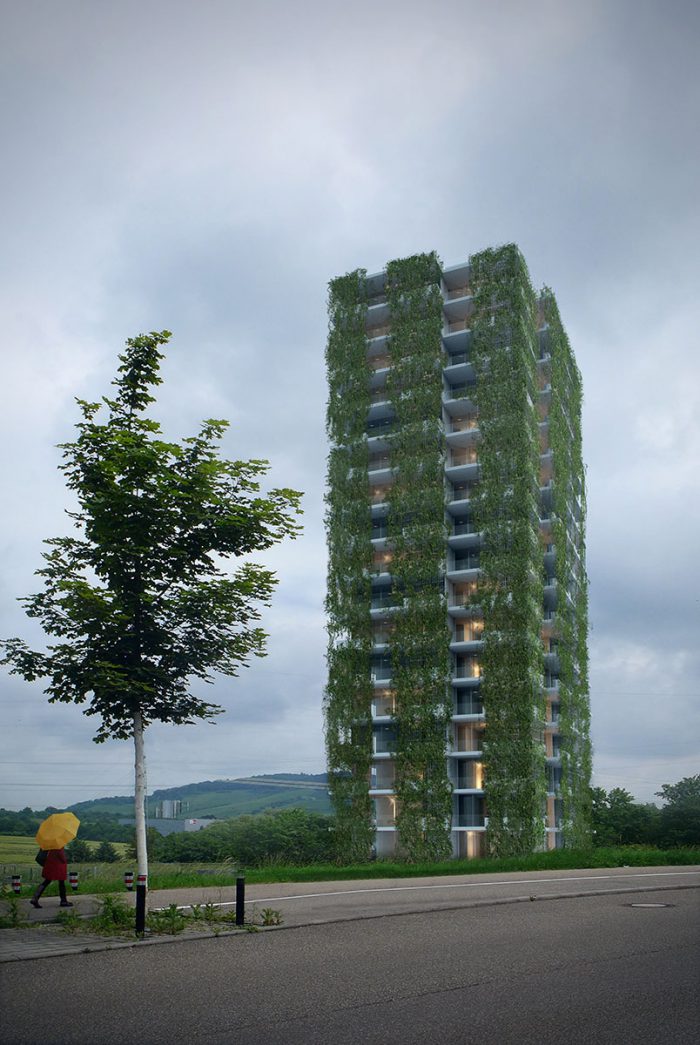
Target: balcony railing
(461,491)
(380,602)
(383,706)
(383,424)
(459,391)
(469,633)
(379,495)
(463,526)
(380,362)
(381,563)
(461,455)
(466,562)
(468,702)
(459,292)
(468,670)
(380,330)
(374,464)
(464,424)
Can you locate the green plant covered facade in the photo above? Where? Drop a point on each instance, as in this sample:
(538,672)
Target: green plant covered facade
(391,526)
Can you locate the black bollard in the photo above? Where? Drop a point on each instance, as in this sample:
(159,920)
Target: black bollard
(240,900)
(141,905)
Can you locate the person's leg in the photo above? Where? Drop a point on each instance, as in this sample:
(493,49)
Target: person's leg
(38,891)
(62,893)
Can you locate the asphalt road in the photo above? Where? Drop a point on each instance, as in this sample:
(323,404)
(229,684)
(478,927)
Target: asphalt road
(590,970)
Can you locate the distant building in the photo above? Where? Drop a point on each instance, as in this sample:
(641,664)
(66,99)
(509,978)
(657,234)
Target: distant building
(167,826)
(457,713)
(169,809)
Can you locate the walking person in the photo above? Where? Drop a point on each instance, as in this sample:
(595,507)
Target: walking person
(55,869)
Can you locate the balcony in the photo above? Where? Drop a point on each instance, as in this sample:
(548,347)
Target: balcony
(461,391)
(467,423)
(378,462)
(460,491)
(470,776)
(378,494)
(380,670)
(381,362)
(469,631)
(381,561)
(384,705)
(468,820)
(463,291)
(378,330)
(462,594)
(379,426)
(382,777)
(463,527)
(464,562)
(466,668)
(468,811)
(383,739)
(468,702)
(382,600)
(462,455)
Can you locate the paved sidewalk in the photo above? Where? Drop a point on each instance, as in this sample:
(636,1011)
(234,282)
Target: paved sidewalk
(40,936)
(48,941)
(51,941)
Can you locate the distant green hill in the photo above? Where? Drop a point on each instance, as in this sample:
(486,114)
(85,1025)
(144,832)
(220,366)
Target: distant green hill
(223,799)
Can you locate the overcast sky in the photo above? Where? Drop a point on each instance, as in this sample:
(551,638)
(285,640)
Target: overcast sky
(207,168)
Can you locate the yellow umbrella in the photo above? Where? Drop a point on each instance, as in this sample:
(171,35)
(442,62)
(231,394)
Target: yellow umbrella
(57,830)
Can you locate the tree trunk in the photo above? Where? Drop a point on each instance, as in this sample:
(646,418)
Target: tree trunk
(140,796)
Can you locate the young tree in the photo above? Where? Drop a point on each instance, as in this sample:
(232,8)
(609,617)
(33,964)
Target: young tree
(138,601)
(679,821)
(618,820)
(106,853)
(79,852)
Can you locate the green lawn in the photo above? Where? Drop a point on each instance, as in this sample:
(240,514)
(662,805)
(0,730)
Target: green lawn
(21,849)
(106,878)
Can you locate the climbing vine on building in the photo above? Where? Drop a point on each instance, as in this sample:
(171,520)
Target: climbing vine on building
(416,532)
(505,506)
(349,690)
(571,621)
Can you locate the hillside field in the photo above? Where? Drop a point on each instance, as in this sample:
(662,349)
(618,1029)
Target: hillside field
(19,849)
(225,799)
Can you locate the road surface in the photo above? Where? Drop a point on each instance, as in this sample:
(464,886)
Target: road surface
(579,971)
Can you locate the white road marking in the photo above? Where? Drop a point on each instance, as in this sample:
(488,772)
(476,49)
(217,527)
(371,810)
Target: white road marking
(453,885)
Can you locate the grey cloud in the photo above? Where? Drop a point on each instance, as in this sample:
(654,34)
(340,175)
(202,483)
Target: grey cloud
(209,168)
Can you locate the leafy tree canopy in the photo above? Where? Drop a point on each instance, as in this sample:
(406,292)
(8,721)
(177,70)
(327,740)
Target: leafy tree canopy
(137,601)
(685,791)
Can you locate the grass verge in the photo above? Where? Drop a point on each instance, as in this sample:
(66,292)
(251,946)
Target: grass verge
(109,877)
